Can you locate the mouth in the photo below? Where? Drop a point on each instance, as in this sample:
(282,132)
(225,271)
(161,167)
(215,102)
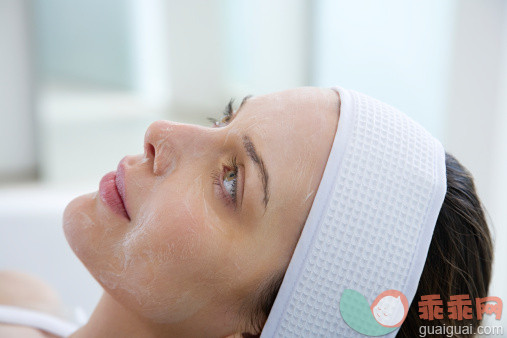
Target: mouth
(112,191)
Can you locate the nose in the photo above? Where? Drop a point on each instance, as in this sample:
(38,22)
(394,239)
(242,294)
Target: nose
(165,143)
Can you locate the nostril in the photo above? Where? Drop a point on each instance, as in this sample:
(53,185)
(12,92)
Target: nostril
(150,151)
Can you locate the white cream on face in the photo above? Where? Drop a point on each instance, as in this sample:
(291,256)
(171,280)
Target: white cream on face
(132,261)
(389,311)
(151,250)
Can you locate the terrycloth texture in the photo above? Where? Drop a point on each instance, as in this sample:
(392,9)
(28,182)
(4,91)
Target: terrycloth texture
(371,222)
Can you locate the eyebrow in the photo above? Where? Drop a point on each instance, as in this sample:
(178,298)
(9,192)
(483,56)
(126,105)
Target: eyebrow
(255,157)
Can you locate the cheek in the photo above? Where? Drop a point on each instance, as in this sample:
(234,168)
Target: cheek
(169,231)
(161,267)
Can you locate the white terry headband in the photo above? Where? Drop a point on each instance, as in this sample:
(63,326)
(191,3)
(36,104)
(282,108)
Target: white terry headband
(371,223)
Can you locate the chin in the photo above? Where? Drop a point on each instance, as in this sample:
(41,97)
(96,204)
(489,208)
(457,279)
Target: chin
(78,221)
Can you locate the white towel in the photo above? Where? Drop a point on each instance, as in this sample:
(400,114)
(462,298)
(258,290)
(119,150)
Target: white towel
(371,223)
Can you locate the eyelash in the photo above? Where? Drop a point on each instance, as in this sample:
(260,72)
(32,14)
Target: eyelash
(227,115)
(219,178)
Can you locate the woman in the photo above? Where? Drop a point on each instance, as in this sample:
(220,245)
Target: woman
(194,237)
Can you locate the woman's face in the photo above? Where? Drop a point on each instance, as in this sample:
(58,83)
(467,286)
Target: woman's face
(213,211)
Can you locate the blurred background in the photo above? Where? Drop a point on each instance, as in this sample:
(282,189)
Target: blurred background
(80,81)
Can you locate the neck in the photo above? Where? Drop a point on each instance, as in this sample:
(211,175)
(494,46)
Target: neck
(111,319)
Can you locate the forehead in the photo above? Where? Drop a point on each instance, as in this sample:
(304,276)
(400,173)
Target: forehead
(298,116)
(293,131)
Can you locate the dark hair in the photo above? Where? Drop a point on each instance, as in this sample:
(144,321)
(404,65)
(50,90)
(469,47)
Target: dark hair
(460,254)
(458,262)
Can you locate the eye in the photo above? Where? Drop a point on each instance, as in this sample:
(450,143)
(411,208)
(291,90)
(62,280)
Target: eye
(230,182)
(223,122)
(226,182)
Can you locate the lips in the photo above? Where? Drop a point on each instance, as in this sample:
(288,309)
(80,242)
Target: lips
(112,191)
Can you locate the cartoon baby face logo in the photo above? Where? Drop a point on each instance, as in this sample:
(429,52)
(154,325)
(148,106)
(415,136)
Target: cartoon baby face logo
(390,308)
(386,313)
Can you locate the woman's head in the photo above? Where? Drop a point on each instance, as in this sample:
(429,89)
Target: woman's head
(214,213)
